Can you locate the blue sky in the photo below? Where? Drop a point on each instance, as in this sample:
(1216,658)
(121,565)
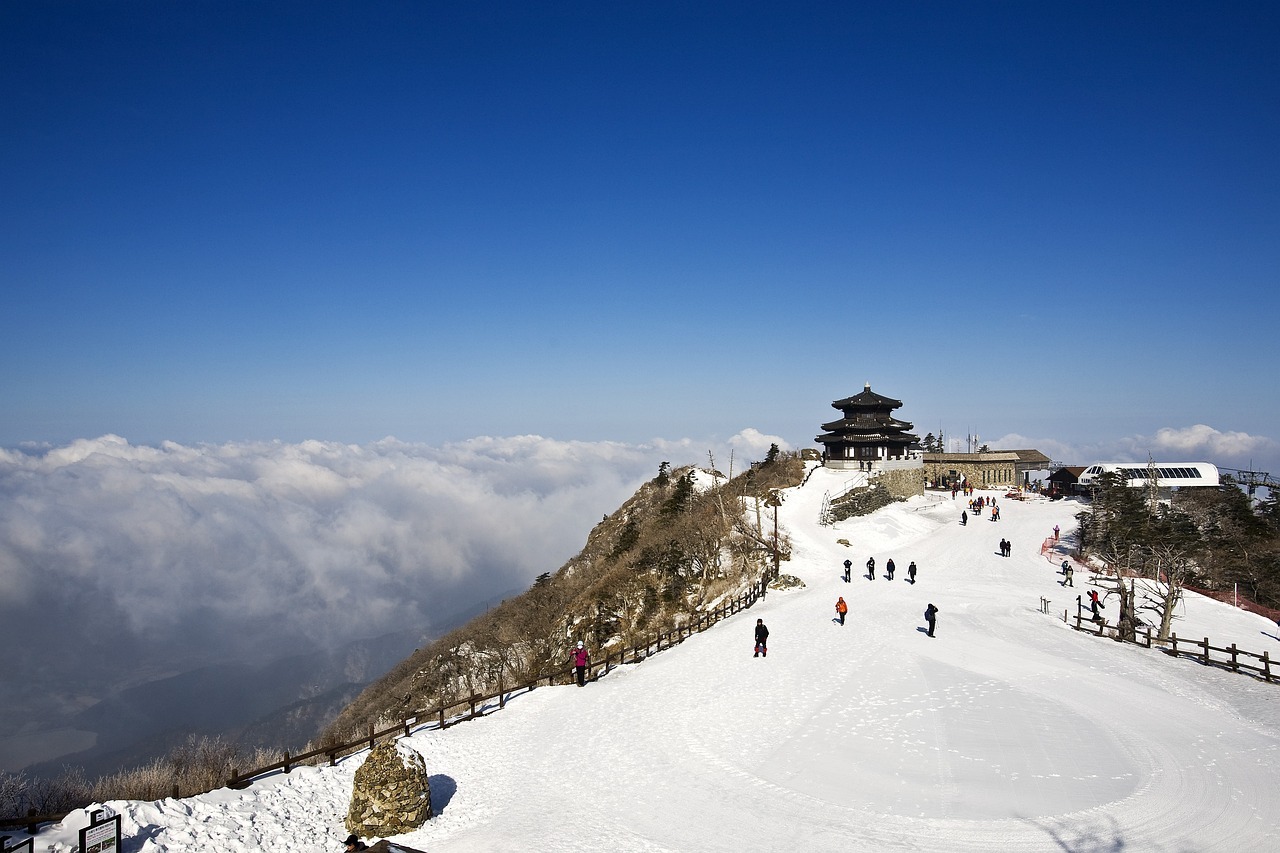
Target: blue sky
(613,221)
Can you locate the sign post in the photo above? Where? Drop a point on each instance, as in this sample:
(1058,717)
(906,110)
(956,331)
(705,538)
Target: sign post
(102,835)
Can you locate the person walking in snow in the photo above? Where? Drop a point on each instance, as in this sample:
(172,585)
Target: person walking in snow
(848,570)
(964,518)
(1055,533)
(762,639)
(931,616)
(580,663)
(1094,604)
(841,609)
(1066,574)
(888,569)
(911,573)
(871,568)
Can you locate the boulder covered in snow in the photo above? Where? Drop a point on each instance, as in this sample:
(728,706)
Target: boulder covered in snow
(391,793)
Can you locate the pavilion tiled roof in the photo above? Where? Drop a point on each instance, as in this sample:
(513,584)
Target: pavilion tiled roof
(868,399)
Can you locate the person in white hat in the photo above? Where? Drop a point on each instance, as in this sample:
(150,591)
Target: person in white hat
(580,663)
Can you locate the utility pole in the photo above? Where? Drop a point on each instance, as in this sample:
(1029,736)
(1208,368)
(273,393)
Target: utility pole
(774,501)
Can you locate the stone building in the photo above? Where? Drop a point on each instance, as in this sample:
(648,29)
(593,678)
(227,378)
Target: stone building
(991,470)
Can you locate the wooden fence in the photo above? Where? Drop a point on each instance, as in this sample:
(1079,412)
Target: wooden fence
(461,709)
(1230,658)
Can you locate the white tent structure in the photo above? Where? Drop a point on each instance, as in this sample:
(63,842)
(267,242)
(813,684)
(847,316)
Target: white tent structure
(1176,475)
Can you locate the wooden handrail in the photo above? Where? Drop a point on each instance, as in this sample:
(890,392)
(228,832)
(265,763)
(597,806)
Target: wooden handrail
(1202,652)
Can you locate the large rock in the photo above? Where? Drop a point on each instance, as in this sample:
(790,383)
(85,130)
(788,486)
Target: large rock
(391,794)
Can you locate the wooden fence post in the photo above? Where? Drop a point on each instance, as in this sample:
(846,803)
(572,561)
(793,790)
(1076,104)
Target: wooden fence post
(1235,663)
(287,768)
(1206,651)
(1266,667)
(1173,638)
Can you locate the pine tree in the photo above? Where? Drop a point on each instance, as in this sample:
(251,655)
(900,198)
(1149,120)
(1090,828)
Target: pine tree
(679,499)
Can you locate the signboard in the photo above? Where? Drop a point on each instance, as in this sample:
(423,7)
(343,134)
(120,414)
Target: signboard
(101,836)
(28,846)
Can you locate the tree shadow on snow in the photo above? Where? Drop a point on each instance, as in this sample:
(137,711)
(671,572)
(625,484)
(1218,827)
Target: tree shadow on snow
(442,790)
(1272,636)
(1096,837)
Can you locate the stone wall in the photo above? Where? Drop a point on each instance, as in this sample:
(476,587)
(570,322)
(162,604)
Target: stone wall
(902,482)
(989,476)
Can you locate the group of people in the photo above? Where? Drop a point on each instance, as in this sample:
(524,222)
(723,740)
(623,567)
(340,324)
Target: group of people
(980,502)
(842,607)
(889,568)
(1006,548)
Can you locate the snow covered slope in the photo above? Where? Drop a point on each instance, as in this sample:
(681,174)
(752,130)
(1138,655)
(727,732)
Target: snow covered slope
(1007,732)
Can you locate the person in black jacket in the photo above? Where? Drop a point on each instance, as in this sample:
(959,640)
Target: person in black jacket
(931,616)
(762,639)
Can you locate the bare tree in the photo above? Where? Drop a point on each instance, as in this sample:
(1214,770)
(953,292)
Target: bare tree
(1170,569)
(1120,559)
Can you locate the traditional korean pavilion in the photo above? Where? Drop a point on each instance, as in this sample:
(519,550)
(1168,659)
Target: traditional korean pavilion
(868,436)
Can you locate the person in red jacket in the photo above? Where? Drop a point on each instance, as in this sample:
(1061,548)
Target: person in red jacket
(841,609)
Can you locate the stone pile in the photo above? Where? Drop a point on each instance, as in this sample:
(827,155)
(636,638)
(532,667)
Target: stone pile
(391,793)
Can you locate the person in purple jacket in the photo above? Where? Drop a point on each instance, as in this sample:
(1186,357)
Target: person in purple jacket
(580,663)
